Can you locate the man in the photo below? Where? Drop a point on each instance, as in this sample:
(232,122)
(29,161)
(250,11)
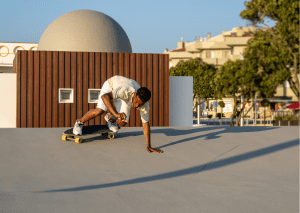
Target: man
(125,93)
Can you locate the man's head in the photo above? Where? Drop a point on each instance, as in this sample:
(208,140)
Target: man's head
(141,97)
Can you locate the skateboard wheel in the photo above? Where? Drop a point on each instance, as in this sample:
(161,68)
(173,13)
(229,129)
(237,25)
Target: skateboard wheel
(111,136)
(64,138)
(78,140)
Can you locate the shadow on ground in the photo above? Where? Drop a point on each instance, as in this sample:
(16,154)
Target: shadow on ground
(180,132)
(213,164)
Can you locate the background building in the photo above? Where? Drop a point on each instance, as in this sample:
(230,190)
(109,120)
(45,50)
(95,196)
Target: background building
(8,51)
(230,45)
(55,82)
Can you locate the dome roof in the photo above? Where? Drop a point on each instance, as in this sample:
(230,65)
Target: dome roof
(86,31)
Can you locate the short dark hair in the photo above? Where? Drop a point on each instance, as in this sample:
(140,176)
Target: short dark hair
(144,94)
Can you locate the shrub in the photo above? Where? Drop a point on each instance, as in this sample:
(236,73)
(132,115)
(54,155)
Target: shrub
(290,118)
(219,115)
(287,118)
(209,116)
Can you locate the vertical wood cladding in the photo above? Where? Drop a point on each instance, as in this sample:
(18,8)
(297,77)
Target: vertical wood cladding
(40,74)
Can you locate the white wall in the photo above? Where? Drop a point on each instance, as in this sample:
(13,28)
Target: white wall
(181,101)
(8,100)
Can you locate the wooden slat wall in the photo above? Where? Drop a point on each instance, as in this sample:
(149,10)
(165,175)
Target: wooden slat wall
(40,74)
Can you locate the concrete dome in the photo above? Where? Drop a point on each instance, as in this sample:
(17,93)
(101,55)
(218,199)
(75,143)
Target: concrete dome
(86,31)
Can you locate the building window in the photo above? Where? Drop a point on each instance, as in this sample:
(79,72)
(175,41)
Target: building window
(4,51)
(33,48)
(18,48)
(93,95)
(208,54)
(65,95)
(241,55)
(226,53)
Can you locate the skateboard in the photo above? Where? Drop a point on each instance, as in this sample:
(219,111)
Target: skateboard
(102,130)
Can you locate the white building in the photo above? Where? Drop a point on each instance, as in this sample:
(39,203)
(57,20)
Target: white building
(8,51)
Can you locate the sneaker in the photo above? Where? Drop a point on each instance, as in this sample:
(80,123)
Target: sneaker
(77,130)
(112,125)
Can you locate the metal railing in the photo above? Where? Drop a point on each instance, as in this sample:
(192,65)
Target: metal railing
(227,121)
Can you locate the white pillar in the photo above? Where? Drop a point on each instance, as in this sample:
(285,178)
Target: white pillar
(198,112)
(242,106)
(255,111)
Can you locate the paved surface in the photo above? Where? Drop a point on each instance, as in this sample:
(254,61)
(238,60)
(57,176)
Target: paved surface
(203,170)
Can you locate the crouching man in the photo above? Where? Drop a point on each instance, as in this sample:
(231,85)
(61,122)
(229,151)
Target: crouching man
(125,93)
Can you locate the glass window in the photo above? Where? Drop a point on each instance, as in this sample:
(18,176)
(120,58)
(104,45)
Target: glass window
(208,54)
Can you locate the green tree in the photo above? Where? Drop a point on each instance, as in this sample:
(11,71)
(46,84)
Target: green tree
(236,78)
(227,84)
(278,47)
(203,75)
(222,105)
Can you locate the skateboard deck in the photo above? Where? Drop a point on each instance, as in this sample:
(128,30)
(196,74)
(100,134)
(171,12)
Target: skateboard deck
(101,130)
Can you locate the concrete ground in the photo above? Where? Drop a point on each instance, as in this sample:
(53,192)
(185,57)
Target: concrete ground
(207,169)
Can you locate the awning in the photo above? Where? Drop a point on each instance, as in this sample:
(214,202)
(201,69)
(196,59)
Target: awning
(293,106)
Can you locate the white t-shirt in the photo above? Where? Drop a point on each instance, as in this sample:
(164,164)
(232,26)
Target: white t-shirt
(123,88)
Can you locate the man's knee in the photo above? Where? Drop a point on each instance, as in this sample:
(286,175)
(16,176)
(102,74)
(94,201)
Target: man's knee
(98,111)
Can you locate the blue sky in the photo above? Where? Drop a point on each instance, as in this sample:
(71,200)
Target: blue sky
(151,26)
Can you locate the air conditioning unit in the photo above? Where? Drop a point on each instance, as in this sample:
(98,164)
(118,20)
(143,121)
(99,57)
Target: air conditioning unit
(93,95)
(65,95)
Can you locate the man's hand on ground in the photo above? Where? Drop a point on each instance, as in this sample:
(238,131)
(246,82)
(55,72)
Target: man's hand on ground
(149,149)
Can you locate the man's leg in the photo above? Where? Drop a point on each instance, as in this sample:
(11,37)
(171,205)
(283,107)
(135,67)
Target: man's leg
(91,114)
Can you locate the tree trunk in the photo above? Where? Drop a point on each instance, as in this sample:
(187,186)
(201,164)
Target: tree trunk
(264,115)
(221,115)
(197,102)
(296,79)
(234,111)
(245,113)
(238,120)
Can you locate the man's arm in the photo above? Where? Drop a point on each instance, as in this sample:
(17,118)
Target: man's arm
(107,99)
(146,130)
